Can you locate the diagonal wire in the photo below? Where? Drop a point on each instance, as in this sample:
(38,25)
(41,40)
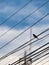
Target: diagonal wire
(3,57)
(41,57)
(22,21)
(23,46)
(24,31)
(29,55)
(28,49)
(42,60)
(15,12)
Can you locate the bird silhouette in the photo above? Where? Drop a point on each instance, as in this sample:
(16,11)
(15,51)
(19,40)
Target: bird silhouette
(35,36)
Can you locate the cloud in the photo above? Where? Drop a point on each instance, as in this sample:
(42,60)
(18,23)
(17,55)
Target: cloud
(7,9)
(18,41)
(9,6)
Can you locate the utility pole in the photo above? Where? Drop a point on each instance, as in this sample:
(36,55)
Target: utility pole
(30,44)
(30,37)
(25,63)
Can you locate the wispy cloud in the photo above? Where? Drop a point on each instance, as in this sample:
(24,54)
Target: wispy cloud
(7,7)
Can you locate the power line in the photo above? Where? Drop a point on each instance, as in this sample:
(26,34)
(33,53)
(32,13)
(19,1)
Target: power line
(41,57)
(42,60)
(15,12)
(15,50)
(28,49)
(35,59)
(32,58)
(33,54)
(24,45)
(48,13)
(41,52)
(24,31)
(22,21)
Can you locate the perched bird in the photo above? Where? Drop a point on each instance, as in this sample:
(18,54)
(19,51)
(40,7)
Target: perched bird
(35,36)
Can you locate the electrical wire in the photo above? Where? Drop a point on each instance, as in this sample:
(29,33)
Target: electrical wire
(36,56)
(48,13)
(42,60)
(35,59)
(21,47)
(15,12)
(23,31)
(33,54)
(22,21)
(41,57)
(28,49)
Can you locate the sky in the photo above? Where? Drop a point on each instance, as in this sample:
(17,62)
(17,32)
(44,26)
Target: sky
(7,8)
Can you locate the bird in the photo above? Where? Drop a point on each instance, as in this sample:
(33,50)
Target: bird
(35,36)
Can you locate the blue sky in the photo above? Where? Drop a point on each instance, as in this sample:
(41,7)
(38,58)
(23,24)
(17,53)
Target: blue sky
(8,7)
